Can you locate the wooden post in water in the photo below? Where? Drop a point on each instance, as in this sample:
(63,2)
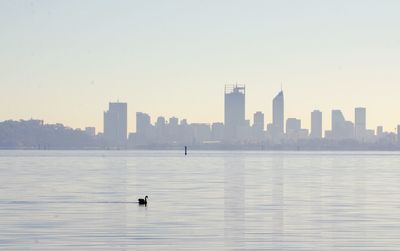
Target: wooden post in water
(185,150)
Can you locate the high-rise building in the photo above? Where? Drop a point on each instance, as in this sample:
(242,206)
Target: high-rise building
(278,114)
(379,131)
(337,120)
(160,128)
(115,124)
(144,129)
(316,124)
(234,110)
(398,134)
(173,129)
(360,123)
(341,129)
(258,121)
(257,131)
(142,123)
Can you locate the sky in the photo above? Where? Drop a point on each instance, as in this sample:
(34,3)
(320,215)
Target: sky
(63,61)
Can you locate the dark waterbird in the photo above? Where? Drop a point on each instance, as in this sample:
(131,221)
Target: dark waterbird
(143,201)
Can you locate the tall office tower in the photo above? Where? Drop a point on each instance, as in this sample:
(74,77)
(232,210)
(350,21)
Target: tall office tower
(186,133)
(278,114)
(234,110)
(142,123)
(360,123)
(144,129)
(173,129)
(316,124)
(341,129)
(161,130)
(337,120)
(258,121)
(115,124)
(398,134)
(379,131)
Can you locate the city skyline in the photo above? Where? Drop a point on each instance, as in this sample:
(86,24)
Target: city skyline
(235,132)
(236,128)
(358,118)
(188,125)
(62,62)
(237,93)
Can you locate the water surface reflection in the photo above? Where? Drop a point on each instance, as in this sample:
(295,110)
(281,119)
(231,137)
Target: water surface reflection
(55,200)
(234,202)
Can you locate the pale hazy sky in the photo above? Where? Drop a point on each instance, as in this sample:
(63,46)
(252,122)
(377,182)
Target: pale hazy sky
(63,61)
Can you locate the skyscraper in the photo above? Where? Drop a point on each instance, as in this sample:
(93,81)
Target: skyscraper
(173,129)
(144,129)
(341,129)
(258,121)
(234,110)
(360,122)
(316,124)
(337,120)
(142,123)
(398,134)
(115,124)
(278,114)
(379,131)
(161,129)
(257,130)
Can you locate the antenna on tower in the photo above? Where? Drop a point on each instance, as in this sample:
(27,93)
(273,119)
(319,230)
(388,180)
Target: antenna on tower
(281,86)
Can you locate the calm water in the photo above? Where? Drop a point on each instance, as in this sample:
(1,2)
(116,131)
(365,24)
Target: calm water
(85,200)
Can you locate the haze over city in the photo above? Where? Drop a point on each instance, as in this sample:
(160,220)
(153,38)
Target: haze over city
(200,125)
(64,61)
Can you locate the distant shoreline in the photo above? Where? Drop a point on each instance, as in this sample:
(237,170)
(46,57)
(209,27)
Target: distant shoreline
(233,149)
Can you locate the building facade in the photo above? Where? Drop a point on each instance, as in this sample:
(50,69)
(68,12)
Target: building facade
(115,124)
(278,115)
(360,123)
(316,124)
(234,112)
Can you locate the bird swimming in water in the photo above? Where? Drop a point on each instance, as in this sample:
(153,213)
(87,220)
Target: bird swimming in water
(143,201)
